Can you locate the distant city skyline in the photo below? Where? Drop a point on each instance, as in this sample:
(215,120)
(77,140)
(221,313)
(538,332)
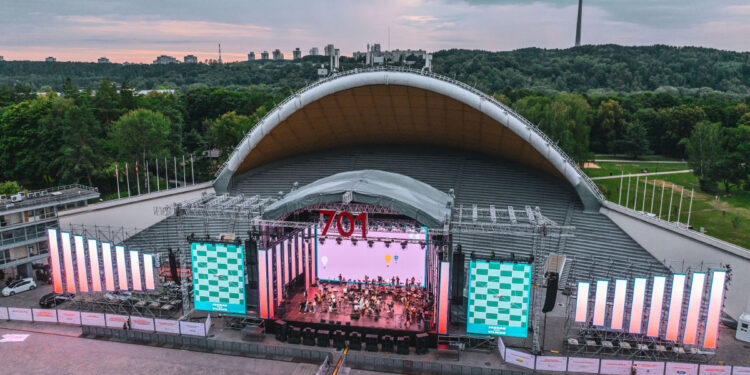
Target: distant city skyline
(139,31)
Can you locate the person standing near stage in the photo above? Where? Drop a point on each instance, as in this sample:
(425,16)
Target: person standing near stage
(315,307)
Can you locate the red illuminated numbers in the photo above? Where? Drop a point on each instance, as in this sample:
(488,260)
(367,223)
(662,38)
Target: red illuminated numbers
(362,217)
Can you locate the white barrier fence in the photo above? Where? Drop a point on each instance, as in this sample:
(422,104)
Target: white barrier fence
(611,366)
(78,318)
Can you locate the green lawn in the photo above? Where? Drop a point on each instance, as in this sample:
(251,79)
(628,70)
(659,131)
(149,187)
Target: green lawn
(615,168)
(727,219)
(648,157)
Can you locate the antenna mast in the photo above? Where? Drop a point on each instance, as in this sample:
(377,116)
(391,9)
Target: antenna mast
(219,53)
(578,25)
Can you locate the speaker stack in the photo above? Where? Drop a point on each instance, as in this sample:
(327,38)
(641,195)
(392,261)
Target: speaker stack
(295,335)
(308,336)
(371,342)
(422,343)
(551,297)
(402,345)
(324,338)
(387,343)
(281,330)
(339,339)
(457,276)
(355,341)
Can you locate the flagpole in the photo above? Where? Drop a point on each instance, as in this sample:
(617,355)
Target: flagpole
(117,178)
(127,178)
(671,197)
(619,197)
(645,194)
(635,197)
(166,172)
(184,176)
(192,171)
(627,196)
(175,172)
(158,184)
(137,179)
(692,191)
(661,200)
(679,211)
(653,194)
(148,180)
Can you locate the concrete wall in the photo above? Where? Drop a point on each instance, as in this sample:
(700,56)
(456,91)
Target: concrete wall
(673,246)
(134,212)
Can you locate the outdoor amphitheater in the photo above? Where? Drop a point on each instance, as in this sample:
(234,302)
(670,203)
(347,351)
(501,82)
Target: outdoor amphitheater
(420,226)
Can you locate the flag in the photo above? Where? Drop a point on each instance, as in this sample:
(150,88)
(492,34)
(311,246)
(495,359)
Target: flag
(136,167)
(116,175)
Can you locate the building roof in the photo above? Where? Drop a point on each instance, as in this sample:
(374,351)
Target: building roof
(48,197)
(400,106)
(401,193)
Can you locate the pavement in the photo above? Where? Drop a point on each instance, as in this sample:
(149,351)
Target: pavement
(642,174)
(28,299)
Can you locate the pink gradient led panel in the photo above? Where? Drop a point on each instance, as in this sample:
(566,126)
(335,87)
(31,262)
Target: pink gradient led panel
(443,302)
(83,282)
(148,271)
(286,262)
(135,270)
(314,258)
(657,299)
(293,244)
(70,280)
(306,269)
(279,285)
(600,303)
(636,310)
(54,260)
(715,300)
(300,258)
(270,283)
(262,284)
(675,307)
(618,308)
(582,302)
(354,262)
(96,278)
(109,273)
(122,272)
(694,308)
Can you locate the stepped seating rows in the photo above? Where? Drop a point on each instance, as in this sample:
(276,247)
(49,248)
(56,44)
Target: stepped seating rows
(599,249)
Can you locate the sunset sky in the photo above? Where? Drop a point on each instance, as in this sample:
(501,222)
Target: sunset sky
(140,30)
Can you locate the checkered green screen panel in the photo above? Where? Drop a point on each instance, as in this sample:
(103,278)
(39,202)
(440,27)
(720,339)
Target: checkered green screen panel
(499,295)
(218,277)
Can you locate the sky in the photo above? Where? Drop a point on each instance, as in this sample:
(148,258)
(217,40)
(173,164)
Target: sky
(140,30)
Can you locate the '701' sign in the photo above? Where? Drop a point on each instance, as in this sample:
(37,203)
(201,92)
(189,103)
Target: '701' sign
(362,217)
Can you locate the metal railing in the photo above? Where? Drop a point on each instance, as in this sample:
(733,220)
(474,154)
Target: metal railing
(589,183)
(38,197)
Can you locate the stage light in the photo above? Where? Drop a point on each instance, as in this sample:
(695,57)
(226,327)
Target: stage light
(403,245)
(422,244)
(370,243)
(388,244)
(354,241)
(322,240)
(338,240)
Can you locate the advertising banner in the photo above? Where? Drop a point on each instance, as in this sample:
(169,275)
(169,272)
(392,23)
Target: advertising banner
(142,324)
(116,321)
(218,277)
(615,367)
(585,365)
(676,368)
(16,313)
(4,313)
(499,295)
(551,363)
(44,315)
(93,319)
(501,347)
(517,358)
(648,368)
(69,317)
(715,370)
(739,370)
(193,328)
(167,326)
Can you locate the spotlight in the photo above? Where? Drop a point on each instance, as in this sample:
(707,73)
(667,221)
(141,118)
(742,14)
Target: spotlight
(370,243)
(338,240)
(403,245)
(354,241)
(422,244)
(388,243)
(322,240)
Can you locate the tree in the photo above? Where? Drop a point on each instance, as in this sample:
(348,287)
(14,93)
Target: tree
(227,131)
(634,141)
(141,134)
(705,153)
(80,155)
(609,125)
(10,187)
(677,124)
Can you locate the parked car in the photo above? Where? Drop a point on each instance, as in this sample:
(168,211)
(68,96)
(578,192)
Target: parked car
(52,300)
(19,286)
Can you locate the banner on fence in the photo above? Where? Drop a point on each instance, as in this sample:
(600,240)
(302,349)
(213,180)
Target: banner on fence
(192,328)
(167,326)
(116,320)
(586,365)
(93,319)
(142,324)
(514,357)
(69,317)
(44,315)
(715,370)
(16,313)
(676,368)
(551,363)
(648,368)
(739,370)
(4,313)
(615,367)
(501,347)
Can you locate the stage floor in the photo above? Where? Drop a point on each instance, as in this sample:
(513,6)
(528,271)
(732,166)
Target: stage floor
(396,323)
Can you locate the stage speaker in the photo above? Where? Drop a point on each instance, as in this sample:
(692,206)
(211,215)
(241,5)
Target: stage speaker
(371,342)
(323,321)
(549,300)
(295,335)
(173,267)
(354,316)
(348,324)
(339,339)
(422,343)
(457,276)
(402,345)
(281,330)
(324,338)
(308,336)
(355,341)
(387,344)
(251,263)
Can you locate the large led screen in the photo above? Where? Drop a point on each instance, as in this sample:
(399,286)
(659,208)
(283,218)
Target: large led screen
(499,296)
(218,277)
(354,261)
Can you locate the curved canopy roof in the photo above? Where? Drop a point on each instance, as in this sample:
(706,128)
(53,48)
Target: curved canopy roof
(403,194)
(394,106)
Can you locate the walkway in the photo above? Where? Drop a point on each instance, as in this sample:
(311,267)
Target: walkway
(642,174)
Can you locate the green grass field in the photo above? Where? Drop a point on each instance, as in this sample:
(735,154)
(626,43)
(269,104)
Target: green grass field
(648,157)
(615,168)
(727,218)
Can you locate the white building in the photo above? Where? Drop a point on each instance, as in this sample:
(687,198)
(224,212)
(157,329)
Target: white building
(296,54)
(251,56)
(50,59)
(190,59)
(314,51)
(164,59)
(103,60)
